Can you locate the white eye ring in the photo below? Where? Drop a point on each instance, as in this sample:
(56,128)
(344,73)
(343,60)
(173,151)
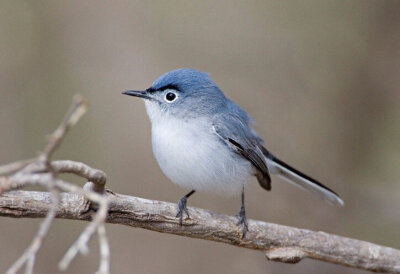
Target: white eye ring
(170,97)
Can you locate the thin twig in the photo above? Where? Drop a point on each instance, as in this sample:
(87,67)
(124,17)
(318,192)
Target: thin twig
(73,115)
(81,243)
(14,167)
(104,267)
(42,172)
(20,180)
(29,255)
(96,176)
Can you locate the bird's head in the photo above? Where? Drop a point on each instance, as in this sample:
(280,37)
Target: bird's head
(182,93)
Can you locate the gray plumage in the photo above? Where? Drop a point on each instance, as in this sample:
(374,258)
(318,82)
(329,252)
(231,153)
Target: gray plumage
(204,141)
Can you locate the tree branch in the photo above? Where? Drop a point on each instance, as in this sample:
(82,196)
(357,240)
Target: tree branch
(280,243)
(93,203)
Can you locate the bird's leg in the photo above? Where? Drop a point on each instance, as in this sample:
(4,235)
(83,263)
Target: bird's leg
(182,206)
(242,217)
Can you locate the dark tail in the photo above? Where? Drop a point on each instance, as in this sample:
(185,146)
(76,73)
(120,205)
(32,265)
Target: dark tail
(301,180)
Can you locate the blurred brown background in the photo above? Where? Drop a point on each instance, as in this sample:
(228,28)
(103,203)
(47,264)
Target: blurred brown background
(321,78)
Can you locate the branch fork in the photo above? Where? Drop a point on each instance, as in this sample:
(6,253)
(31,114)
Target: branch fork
(41,171)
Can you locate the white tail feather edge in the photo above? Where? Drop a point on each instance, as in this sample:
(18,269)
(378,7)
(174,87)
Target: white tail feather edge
(304,183)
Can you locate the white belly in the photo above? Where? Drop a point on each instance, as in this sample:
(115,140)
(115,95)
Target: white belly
(197,159)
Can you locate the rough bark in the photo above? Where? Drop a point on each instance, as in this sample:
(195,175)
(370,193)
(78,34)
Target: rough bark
(280,243)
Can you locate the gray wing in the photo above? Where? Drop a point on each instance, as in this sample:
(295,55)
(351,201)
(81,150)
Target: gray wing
(237,134)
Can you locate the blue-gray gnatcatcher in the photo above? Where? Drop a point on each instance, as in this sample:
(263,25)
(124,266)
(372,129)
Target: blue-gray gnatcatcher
(203,141)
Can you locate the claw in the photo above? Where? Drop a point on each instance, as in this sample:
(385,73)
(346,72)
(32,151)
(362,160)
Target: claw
(182,209)
(242,220)
(182,206)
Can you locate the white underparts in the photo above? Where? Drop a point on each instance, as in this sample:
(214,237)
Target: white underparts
(191,155)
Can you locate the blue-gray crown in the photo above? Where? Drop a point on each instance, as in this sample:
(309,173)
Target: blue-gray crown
(184,79)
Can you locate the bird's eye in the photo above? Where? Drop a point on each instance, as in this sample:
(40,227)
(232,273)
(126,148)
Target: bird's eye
(170,97)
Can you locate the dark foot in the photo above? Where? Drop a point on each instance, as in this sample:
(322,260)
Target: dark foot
(242,220)
(182,207)
(242,217)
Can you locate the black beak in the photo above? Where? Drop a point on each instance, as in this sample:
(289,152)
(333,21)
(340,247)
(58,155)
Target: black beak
(141,94)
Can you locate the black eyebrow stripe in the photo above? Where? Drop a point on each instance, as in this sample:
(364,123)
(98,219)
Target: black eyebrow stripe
(174,87)
(169,87)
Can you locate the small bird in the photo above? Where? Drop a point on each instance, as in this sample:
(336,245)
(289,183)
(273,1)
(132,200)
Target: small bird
(205,142)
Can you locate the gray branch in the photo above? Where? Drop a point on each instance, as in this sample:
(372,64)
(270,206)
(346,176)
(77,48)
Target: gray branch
(93,203)
(278,242)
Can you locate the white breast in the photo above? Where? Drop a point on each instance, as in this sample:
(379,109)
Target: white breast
(192,156)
